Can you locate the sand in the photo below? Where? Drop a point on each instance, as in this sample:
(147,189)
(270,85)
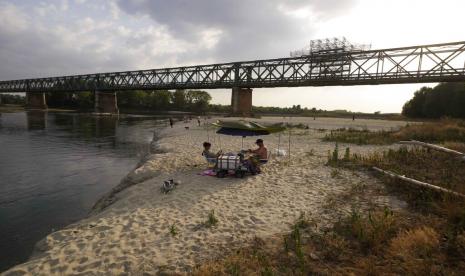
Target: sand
(133,234)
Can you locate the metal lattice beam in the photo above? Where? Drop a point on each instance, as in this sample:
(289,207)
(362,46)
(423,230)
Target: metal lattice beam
(426,63)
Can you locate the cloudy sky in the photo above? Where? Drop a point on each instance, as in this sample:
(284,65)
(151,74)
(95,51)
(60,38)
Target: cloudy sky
(57,37)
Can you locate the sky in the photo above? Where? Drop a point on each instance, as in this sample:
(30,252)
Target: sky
(67,37)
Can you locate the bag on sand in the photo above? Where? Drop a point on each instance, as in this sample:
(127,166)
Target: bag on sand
(169,185)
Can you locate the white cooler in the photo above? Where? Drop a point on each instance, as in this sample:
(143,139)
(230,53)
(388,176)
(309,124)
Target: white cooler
(226,162)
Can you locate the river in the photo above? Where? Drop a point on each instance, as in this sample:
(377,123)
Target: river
(53,168)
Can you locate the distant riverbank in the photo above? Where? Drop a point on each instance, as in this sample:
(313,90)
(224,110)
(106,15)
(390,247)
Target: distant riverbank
(175,113)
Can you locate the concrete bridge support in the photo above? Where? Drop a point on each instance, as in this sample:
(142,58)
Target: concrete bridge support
(241,101)
(35,100)
(106,102)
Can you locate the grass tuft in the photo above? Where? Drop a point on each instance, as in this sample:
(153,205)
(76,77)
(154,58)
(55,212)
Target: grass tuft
(212,221)
(173,230)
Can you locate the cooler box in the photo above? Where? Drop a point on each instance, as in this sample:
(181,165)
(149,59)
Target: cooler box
(228,162)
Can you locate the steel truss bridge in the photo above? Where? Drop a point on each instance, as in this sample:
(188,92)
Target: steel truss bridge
(416,64)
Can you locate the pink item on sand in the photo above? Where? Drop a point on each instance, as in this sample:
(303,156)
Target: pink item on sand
(208,172)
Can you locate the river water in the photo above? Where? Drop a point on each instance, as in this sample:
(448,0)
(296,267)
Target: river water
(53,168)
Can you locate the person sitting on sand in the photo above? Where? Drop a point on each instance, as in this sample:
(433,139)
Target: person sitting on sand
(259,156)
(261,153)
(210,156)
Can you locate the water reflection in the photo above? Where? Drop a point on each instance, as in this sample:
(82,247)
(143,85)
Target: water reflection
(36,120)
(54,166)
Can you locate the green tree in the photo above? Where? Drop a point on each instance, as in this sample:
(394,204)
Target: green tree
(198,100)
(178,99)
(12,99)
(445,99)
(414,107)
(84,100)
(132,98)
(160,99)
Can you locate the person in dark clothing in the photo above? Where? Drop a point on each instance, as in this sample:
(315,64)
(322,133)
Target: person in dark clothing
(171,122)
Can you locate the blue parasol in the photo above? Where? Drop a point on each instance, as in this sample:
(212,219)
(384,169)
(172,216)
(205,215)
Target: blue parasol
(244,128)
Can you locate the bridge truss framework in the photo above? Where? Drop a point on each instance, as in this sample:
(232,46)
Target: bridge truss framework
(416,64)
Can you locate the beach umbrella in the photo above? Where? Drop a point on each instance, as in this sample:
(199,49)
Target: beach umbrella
(245,128)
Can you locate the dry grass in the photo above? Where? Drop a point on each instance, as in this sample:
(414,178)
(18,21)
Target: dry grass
(437,168)
(371,231)
(391,244)
(421,242)
(443,131)
(455,146)
(433,167)
(360,137)
(418,251)
(434,132)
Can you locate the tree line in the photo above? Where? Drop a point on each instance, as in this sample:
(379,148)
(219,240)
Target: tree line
(12,99)
(164,100)
(445,99)
(160,100)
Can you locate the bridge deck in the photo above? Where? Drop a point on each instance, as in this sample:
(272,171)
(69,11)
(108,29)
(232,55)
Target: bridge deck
(415,64)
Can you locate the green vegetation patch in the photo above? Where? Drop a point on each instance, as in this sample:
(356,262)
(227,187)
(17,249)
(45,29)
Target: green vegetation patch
(360,137)
(437,168)
(443,131)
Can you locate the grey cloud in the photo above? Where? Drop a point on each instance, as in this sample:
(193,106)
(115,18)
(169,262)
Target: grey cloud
(40,54)
(29,50)
(250,29)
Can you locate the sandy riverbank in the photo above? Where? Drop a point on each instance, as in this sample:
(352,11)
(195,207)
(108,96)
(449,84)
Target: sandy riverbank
(132,235)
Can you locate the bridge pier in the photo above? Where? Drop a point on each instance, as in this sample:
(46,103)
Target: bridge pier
(35,100)
(106,102)
(241,101)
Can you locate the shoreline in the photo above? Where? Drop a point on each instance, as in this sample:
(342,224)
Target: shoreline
(137,197)
(131,178)
(108,198)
